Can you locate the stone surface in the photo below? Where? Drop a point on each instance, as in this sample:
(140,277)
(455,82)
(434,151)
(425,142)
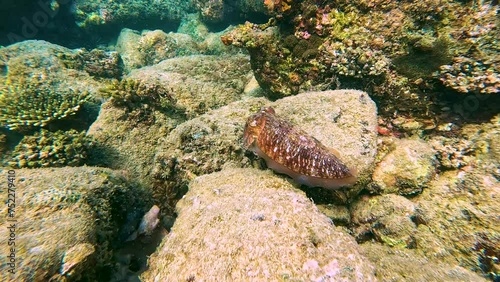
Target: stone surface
(407,265)
(139,49)
(406,170)
(199,83)
(387,219)
(62,215)
(248,224)
(52,64)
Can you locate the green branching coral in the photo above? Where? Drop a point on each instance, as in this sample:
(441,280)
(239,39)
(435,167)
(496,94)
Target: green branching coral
(131,92)
(51,149)
(28,105)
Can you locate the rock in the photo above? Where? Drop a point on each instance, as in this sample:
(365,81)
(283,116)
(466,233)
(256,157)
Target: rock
(241,224)
(67,221)
(128,139)
(343,119)
(387,218)
(406,170)
(201,82)
(458,220)
(408,265)
(77,259)
(151,47)
(149,221)
(57,66)
(123,142)
(101,15)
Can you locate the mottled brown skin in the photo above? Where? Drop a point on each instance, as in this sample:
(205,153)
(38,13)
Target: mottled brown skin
(303,155)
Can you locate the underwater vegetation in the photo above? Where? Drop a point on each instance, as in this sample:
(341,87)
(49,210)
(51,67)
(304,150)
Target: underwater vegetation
(132,92)
(51,149)
(403,54)
(17,100)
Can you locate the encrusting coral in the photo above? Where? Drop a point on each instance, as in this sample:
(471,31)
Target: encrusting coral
(29,104)
(51,149)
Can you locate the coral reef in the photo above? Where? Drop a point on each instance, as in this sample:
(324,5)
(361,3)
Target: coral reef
(66,214)
(147,48)
(17,100)
(102,64)
(278,234)
(51,149)
(393,51)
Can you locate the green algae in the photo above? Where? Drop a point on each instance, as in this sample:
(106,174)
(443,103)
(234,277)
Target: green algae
(17,100)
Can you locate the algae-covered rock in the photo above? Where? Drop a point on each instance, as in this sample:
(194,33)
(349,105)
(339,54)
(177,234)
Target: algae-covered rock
(409,265)
(102,64)
(459,218)
(248,224)
(152,101)
(54,65)
(386,218)
(406,170)
(150,47)
(91,14)
(201,82)
(343,120)
(51,149)
(128,140)
(67,219)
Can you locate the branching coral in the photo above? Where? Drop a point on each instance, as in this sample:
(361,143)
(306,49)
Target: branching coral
(34,104)
(131,93)
(51,149)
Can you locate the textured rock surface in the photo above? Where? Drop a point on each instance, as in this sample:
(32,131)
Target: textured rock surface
(407,265)
(201,82)
(387,218)
(146,48)
(53,64)
(248,224)
(406,170)
(65,211)
(129,139)
(96,13)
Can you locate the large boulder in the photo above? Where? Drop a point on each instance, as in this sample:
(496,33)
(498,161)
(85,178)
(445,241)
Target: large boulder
(63,222)
(249,224)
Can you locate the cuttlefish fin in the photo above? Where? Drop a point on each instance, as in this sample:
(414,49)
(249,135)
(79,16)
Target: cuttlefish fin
(335,152)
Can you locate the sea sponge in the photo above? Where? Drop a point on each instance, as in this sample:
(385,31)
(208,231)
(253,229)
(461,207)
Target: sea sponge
(24,105)
(51,149)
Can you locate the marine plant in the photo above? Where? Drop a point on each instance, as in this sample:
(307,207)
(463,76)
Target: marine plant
(131,93)
(51,149)
(30,104)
